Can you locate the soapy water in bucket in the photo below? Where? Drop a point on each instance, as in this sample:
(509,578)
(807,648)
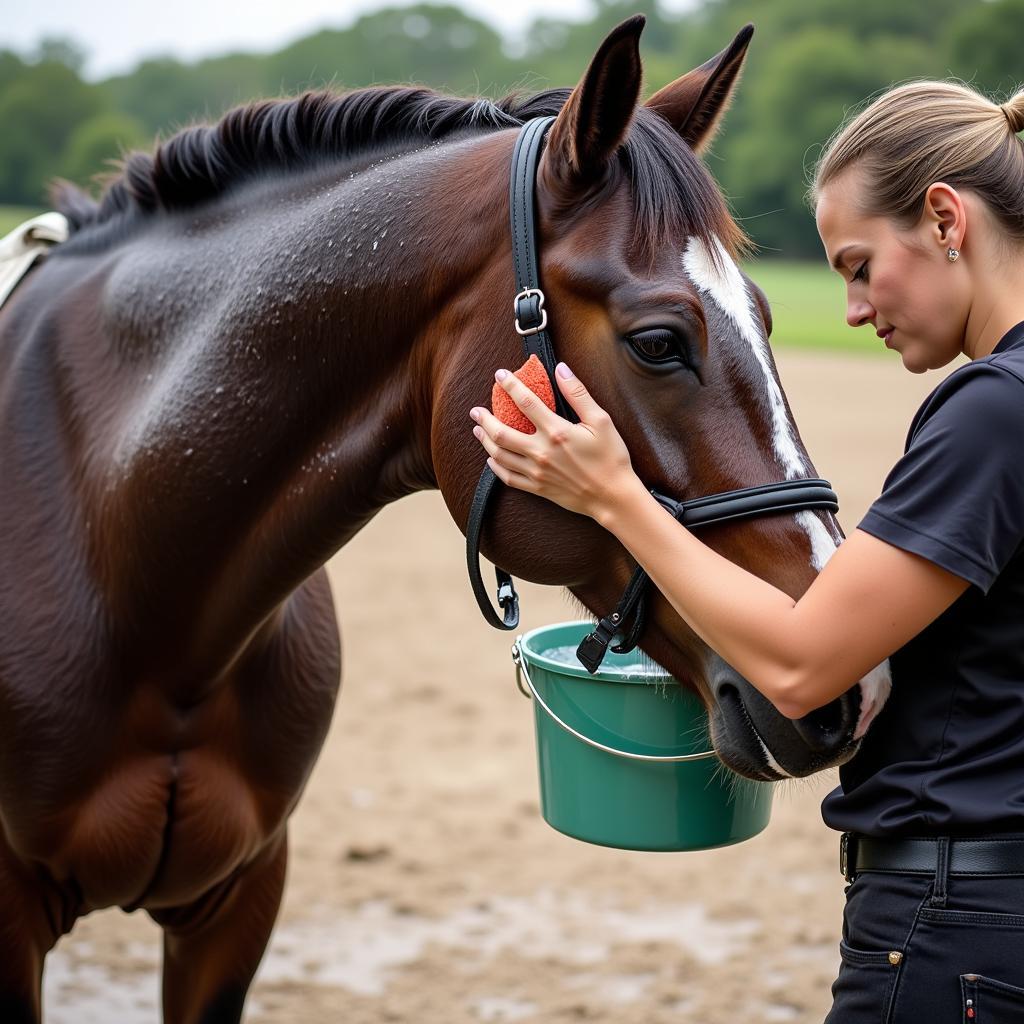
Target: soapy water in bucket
(566,655)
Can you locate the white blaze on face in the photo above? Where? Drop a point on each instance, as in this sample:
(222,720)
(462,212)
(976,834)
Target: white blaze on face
(724,285)
(727,289)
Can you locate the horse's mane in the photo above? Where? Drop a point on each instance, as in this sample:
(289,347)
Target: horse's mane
(673,193)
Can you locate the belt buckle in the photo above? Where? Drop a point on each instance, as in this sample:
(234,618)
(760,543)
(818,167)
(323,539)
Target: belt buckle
(847,852)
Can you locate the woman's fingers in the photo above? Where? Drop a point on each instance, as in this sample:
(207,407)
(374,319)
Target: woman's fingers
(578,396)
(502,434)
(510,477)
(509,460)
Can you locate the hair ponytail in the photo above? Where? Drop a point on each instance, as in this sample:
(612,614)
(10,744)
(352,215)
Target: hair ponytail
(1013,111)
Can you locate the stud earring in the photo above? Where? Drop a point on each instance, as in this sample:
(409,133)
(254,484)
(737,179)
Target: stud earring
(953,254)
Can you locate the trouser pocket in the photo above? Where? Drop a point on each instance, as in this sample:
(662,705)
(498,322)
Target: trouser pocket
(863,990)
(989,1001)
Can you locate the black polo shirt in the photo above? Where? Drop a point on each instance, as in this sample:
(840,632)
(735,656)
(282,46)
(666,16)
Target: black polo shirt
(946,754)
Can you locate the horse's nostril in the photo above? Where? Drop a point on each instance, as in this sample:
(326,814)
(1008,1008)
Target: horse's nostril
(826,727)
(726,691)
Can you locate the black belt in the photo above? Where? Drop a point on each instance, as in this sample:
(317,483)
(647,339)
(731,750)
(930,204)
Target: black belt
(967,856)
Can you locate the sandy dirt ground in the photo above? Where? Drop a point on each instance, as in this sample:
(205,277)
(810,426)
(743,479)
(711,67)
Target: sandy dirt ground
(424,885)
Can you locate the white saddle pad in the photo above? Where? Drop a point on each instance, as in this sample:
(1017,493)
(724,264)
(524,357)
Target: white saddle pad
(25,244)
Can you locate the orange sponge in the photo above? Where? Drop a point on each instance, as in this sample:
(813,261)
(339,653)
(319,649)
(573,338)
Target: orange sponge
(535,377)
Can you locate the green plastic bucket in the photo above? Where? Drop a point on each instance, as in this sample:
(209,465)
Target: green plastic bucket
(623,755)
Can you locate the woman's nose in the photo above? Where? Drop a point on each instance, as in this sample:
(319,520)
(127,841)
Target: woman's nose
(859,312)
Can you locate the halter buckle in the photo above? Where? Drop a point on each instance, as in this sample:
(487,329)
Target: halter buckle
(525,294)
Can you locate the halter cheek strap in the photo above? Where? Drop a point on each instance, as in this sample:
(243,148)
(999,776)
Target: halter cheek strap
(530,322)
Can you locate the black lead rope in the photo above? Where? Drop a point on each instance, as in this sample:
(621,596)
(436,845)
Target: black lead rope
(530,320)
(508,599)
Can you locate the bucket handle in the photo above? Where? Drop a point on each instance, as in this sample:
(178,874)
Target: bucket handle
(523,672)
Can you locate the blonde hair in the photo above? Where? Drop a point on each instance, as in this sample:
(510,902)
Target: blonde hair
(921,132)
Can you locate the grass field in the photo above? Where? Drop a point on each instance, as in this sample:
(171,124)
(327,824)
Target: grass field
(12,216)
(809,308)
(808,300)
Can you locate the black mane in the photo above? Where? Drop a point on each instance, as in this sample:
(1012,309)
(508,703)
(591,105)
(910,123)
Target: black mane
(672,191)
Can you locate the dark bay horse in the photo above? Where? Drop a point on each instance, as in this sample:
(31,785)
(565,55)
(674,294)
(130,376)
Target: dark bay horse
(263,333)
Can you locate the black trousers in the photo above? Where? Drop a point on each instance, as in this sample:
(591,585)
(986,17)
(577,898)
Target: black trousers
(931,949)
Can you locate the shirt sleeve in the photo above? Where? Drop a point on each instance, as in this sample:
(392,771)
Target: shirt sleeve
(956,497)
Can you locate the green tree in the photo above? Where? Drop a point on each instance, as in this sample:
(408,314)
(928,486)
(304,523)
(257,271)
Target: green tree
(12,67)
(805,89)
(39,111)
(98,141)
(864,21)
(983,45)
(163,94)
(61,51)
(558,50)
(436,44)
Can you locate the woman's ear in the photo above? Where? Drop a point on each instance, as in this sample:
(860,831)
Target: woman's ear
(946,215)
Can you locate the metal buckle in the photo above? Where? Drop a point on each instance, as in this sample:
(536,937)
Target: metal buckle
(847,856)
(506,593)
(525,294)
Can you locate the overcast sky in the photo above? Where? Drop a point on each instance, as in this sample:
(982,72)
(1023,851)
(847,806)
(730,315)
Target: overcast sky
(116,34)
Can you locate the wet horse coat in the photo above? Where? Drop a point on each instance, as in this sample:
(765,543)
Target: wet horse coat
(261,337)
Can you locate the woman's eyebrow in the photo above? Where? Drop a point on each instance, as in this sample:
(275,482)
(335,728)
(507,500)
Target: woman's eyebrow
(838,258)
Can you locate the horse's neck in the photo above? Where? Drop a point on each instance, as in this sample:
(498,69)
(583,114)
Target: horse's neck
(273,398)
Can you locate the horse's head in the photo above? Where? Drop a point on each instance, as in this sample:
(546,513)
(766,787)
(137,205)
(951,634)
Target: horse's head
(649,307)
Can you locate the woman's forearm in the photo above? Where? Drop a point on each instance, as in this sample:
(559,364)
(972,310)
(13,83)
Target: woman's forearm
(749,622)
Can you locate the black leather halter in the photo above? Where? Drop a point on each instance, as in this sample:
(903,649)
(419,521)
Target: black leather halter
(531,320)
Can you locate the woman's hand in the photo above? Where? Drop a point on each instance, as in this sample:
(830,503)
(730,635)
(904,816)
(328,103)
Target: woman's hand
(583,466)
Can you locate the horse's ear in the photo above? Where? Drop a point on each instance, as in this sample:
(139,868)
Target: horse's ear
(596,116)
(695,104)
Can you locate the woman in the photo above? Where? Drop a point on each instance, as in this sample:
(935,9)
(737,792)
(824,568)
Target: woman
(919,203)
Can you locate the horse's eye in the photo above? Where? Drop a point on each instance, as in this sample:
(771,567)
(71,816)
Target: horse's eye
(659,345)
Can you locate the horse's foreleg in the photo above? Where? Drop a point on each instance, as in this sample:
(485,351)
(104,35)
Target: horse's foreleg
(213,947)
(34,914)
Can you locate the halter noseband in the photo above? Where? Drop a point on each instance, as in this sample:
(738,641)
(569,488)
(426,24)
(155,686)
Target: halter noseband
(530,320)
